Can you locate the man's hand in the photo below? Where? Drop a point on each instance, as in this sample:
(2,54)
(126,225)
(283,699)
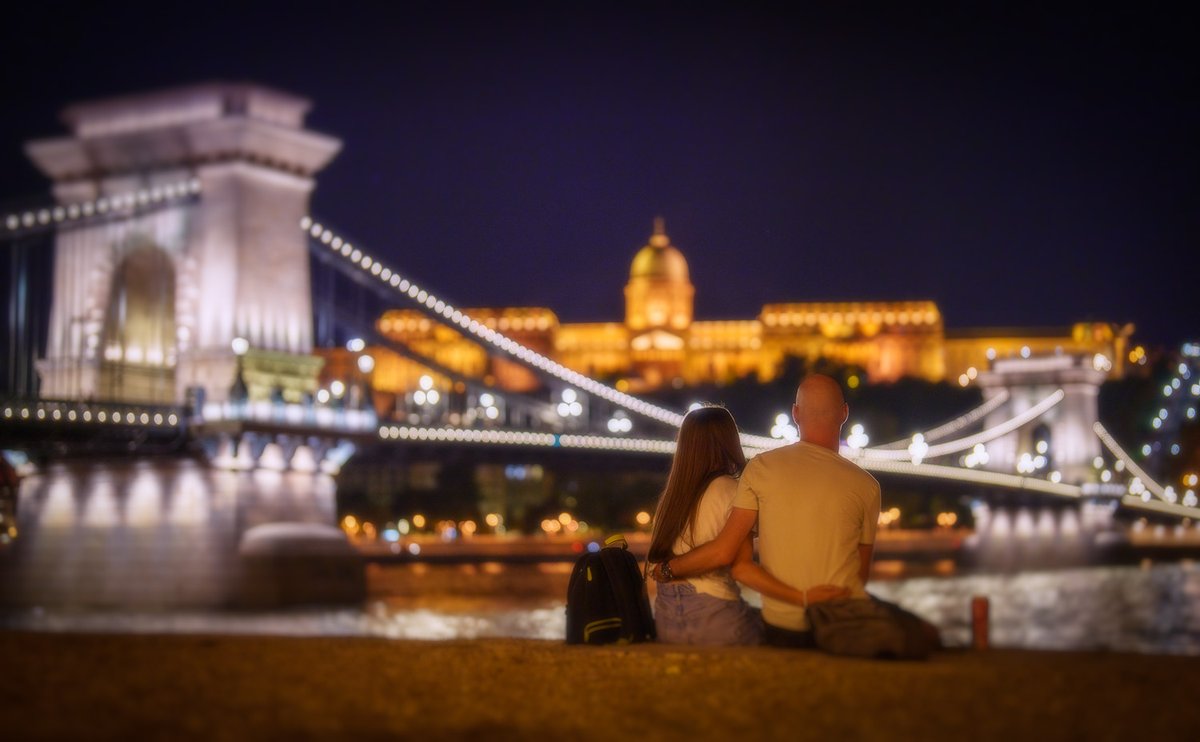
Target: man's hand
(822,593)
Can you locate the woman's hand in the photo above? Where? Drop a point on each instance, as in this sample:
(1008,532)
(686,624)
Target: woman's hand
(822,593)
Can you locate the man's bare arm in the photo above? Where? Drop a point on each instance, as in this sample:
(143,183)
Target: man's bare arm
(865,552)
(748,572)
(719,552)
(751,574)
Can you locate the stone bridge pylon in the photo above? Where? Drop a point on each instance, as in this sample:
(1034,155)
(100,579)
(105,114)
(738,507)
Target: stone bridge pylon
(154,304)
(1065,431)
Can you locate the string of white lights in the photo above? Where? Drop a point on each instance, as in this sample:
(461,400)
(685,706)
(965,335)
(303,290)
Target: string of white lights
(526,438)
(962,444)
(606,443)
(54,216)
(65,412)
(953,426)
(530,438)
(460,435)
(976,476)
(452,315)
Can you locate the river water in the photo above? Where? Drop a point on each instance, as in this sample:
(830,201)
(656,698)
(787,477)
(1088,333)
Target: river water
(1148,609)
(149,545)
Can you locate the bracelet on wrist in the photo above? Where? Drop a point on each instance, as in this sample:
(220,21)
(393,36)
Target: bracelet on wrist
(664,572)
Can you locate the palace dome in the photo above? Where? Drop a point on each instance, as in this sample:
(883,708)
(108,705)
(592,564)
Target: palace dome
(659,260)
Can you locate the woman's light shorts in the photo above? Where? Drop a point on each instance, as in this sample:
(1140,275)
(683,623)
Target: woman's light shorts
(684,616)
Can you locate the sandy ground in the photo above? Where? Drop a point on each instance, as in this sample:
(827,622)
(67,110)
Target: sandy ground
(189,687)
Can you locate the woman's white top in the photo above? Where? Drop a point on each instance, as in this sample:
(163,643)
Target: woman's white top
(711,515)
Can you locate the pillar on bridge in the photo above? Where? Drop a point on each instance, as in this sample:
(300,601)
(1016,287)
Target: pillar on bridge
(148,303)
(1067,427)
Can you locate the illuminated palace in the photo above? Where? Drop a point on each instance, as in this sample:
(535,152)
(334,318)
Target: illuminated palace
(660,342)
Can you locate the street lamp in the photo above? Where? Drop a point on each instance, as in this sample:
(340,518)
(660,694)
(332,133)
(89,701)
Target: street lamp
(570,408)
(784,429)
(239,394)
(366,364)
(620,423)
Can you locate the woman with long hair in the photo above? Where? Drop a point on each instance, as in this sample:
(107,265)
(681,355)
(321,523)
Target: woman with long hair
(708,608)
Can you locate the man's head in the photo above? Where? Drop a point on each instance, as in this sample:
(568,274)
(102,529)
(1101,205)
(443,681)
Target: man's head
(820,411)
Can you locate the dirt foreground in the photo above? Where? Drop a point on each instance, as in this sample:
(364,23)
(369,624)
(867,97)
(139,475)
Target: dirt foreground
(200,687)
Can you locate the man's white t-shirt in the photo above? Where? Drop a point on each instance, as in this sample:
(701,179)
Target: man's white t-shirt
(814,509)
(710,518)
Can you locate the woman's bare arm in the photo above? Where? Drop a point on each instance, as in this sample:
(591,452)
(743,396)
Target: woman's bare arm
(719,552)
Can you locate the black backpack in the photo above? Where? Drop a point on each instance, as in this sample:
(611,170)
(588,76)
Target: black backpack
(606,599)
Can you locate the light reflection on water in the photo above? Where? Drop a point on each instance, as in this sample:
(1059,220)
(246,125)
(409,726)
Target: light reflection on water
(540,622)
(1149,610)
(146,534)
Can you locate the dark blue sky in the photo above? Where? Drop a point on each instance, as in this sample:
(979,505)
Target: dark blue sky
(1020,167)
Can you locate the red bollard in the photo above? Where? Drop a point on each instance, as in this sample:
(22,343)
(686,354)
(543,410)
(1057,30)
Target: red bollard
(979,622)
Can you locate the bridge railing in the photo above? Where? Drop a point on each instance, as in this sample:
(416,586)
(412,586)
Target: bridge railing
(289,415)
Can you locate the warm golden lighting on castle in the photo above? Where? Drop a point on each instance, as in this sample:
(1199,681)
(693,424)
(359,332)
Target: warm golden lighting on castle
(660,343)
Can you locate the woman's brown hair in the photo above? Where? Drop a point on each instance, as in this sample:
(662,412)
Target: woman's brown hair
(707,447)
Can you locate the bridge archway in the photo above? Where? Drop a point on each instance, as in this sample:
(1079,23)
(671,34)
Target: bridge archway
(138,336)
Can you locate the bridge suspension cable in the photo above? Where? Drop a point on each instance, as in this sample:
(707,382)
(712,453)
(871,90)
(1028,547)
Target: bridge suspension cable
(962,421)
(953,426)
(449,315)
(376,336)
(1158,506)
(996,479)
(962,444)
(1148,485)
(82,213)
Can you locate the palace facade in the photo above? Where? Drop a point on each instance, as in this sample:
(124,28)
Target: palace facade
(659,342)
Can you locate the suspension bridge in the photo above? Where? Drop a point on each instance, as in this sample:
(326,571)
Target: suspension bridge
(186,268)
(170,312)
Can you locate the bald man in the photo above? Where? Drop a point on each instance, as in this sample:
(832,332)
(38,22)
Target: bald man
(816,514)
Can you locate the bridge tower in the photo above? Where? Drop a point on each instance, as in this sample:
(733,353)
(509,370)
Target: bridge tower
(148,303)
(1067,428)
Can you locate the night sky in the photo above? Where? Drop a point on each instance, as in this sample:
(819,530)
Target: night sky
(1020,167)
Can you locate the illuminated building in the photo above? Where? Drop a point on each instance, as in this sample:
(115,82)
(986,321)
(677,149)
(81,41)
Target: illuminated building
(660,343)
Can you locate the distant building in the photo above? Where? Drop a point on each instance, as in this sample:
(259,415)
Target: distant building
(660,343)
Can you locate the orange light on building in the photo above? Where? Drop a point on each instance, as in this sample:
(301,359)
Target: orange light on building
(659,342)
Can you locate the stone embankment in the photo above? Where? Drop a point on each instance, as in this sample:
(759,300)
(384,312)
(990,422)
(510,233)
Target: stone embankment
(200,687)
